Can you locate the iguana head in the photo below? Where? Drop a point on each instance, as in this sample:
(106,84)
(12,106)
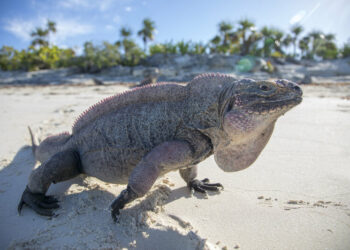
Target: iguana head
(248,111)
(248,106)
(238,115)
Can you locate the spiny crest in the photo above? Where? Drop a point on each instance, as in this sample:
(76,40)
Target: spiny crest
(210,81)
(209,84)
(208,76)
(145,94)
(220,78)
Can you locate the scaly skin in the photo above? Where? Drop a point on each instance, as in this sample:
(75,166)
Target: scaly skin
(138,136)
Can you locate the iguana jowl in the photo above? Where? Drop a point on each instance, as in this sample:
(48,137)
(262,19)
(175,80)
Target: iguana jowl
(144,133)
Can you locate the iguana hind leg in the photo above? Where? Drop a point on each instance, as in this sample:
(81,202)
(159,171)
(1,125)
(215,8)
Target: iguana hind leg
(189,175)
(62,166)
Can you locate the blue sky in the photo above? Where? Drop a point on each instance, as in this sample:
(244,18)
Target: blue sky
(100,20)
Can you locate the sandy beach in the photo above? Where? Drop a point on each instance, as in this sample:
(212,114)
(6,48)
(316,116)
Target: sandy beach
(295,196)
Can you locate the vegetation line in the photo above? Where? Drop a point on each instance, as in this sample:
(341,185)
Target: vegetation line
(242,38)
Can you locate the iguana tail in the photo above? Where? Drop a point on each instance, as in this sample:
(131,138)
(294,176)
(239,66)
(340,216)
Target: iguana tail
(34,146)
(48,147)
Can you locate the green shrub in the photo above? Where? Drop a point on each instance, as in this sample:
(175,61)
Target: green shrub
(9,58)
(170,48)
(132,53)
(164,48)
(96,58)
(345,51)
(199,48)
(183,47)
(327,50)
(156,49)
(35,58)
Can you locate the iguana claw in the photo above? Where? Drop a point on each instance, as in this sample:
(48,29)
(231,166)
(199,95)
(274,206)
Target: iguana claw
(40,203)
(123,198)
(204,185)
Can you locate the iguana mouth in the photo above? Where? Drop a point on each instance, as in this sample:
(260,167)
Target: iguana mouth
(274,106)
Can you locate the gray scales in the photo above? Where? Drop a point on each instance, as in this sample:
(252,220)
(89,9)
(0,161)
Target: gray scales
(135,137)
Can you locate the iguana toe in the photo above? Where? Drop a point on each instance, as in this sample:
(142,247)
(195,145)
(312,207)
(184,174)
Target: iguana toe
(204,185)
(205,180)
(115,215)
(40,203)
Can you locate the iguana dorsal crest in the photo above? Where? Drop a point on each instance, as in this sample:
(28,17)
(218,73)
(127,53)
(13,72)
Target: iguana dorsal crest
(151,93)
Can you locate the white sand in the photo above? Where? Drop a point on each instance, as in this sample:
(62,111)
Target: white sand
(295,196)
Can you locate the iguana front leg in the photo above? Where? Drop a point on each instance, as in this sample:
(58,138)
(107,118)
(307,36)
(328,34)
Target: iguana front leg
(189,175)
(164,157)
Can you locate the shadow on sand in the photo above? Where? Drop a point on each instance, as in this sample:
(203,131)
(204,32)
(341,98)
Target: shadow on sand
(87,215)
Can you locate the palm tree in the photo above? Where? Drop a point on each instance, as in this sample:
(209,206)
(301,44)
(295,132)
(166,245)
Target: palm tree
(254,37)
(225,28)
(268,42)
(296,30)
(304,46)
(215,42)
(125,32)
(244,26)
(277,36)
(329,37)
(147,32)
(51,27)
(316,41)
(41,35)
(287,40)
(132,52)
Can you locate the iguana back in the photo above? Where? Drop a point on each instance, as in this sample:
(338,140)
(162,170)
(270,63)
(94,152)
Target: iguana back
(151,93)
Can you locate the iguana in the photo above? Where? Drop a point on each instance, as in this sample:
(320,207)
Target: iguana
(135,137)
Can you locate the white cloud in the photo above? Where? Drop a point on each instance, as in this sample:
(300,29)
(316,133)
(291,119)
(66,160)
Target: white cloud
(20,28)
(65,28)
(128,8)
(303,15)
(117,19)
(74,3)
(101,5)
(109,27)
(297,17)
(69,28)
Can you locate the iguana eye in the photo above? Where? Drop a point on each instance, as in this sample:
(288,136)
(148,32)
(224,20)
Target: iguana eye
(264,87)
